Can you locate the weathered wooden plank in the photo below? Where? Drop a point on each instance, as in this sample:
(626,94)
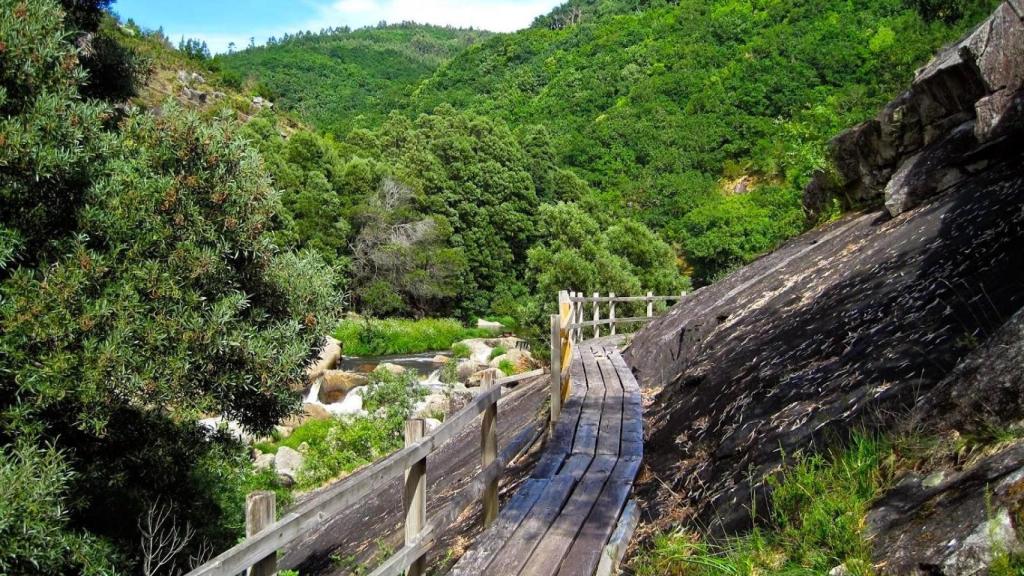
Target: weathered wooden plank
(576,465)
(547,557)
(585,554)
(531,530)
(610,432)
(565,430)
(619,542)
(260,512)
(494,538)
(590,417)
(585,299)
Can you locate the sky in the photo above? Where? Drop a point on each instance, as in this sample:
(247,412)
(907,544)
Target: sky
(220,22)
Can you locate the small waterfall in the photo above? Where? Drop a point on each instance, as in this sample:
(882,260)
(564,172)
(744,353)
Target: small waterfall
(314,393)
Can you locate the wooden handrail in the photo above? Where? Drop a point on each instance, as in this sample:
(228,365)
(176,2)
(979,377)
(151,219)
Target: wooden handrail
(340,496)
(605,299)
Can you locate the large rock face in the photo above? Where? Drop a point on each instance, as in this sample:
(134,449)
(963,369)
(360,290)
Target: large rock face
(854,320)
(968,98)
(867,316)
(872,321)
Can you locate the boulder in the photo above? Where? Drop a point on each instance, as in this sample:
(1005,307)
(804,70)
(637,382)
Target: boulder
(432,404)
(263,461)
(328,358)
(930,171)
(487,324)
(521,359)
(197,97)
(337,383)
(351,405)
(955,525)
(467,368)
(508,343)
(478,377)
(391,368)
(288,463)
(862,317)
(310,411)
(283,431)
(979,79)
(479,350)
(440,359)
(430,425)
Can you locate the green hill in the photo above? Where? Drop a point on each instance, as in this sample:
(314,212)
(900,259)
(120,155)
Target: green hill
(339,79)
(664,104)
(703,118)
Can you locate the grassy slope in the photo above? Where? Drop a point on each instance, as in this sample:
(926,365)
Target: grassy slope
(343,80)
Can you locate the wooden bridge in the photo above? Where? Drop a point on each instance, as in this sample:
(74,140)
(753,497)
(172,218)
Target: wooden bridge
(570,517)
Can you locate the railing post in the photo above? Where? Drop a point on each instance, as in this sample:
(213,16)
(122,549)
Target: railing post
(597,315)
(611,311)
(415,496)
(489,451)
(556,369)
(650,304)
(579,318)
(572,315)
(260,512)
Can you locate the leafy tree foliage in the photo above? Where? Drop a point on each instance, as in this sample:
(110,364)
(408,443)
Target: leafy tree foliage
(139,288)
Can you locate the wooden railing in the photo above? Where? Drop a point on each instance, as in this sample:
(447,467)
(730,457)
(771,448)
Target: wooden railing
(567,329)
(259,550)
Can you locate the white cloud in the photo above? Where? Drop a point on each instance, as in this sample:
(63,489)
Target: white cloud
(495,15)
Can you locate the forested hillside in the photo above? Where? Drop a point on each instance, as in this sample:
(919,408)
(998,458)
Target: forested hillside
(703,119)
(340,78)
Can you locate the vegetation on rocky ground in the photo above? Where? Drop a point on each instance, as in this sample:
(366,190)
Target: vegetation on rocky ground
(337,446)
(817,506)
(380,337)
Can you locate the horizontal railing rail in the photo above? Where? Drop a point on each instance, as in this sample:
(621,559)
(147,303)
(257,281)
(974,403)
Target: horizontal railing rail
(313,512)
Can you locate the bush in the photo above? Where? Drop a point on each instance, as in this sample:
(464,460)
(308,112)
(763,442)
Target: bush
(497,351)
(369,337)
(35,538)
(140,287)
(461,350)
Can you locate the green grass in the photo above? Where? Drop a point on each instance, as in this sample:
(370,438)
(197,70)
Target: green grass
(370,337)
(815,521)
(311,432)
(460,351)
(507,367)
(497,351)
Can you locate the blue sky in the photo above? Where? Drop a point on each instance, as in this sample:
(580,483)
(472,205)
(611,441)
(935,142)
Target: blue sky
(219,22)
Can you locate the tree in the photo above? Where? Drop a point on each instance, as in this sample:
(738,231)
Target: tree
(399,255)
(140,288)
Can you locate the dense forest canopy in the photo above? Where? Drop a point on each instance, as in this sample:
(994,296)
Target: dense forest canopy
(702,119)
(366,72)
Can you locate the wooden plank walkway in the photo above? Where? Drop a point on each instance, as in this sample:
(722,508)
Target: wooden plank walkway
(560,520)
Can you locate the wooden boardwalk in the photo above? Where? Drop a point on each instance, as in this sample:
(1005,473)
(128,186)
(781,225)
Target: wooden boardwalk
(560,520)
